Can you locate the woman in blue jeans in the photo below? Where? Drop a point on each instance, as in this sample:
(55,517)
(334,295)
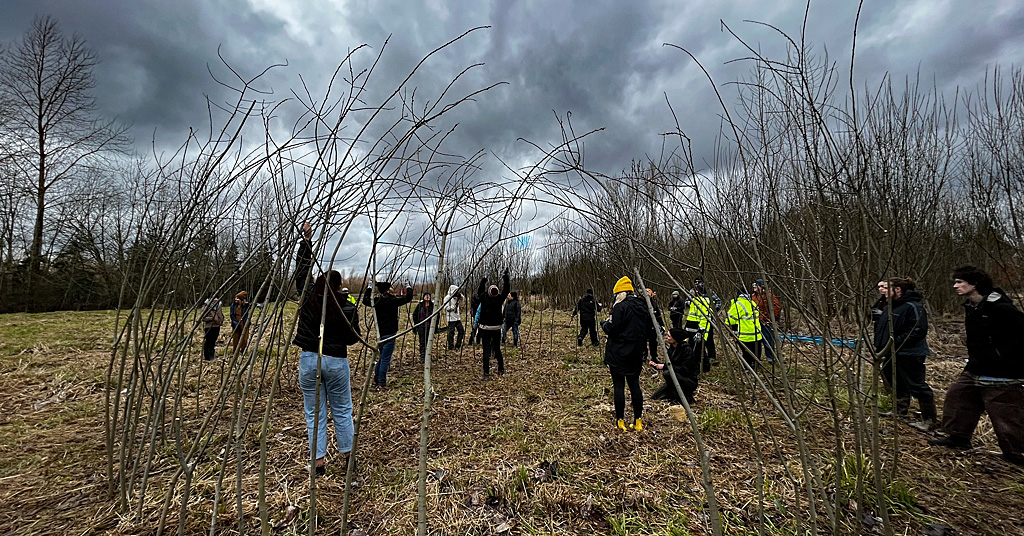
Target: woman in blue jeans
(323,365)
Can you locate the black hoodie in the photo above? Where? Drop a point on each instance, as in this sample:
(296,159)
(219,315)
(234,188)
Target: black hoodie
(587,307)
(909,326)
(994,328)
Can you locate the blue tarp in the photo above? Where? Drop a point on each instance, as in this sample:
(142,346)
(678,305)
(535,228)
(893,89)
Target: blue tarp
(849,343)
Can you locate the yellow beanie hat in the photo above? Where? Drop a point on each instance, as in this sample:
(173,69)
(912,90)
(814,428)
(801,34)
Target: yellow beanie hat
(622,285)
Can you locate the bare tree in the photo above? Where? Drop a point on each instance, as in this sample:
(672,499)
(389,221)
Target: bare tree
(46,83)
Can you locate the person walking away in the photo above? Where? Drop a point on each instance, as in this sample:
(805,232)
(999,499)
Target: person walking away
(452,312)
(491,320)
(513,314)
(676,310)
(213,319)
(385,308)
(743,319)
(423,317)
(685,364)
(901,344)
(993,379)
(474,314)
(328,360)
(629,330)
(587,307)
(769,311)
(240,312)
(698,322)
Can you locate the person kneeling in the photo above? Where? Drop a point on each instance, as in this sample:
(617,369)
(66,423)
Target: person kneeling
(685,364)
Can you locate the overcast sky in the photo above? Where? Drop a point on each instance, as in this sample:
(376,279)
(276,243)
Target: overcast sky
(603,61)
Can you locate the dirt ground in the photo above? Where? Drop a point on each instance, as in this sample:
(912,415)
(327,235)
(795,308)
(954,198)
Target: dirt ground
(493,448)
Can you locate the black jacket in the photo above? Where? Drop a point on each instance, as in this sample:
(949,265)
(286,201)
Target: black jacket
(385,306)
(684,362)
(490,306)
(587,307)
(513,312)
(909,326)
(994,329)
(629,331)
(341,324)
(422,312)
(474,303)
(676,308)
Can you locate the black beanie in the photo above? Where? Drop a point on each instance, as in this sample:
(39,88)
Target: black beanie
(383,287)
(679,334)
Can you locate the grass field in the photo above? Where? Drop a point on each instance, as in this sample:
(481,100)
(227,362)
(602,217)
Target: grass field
(489,442)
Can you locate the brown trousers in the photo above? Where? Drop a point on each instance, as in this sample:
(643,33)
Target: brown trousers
(966,400)
(240,339)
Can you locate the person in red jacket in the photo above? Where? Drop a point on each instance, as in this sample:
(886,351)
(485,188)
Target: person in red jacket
(770,313)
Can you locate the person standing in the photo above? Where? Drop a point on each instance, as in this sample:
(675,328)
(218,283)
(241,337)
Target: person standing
(629,329)
(491,321)
(587,307)
(676,310)
(659,327)
(700,325)
(769,311)
(993,379)
(743,319)
(901,344)
(385,308)
(453,314)
(423,318)
(685,364)
(213,319)
(240,312)
(513,313)
(474,314)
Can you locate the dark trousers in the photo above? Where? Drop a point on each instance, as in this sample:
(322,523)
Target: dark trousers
(491,341)
(677,320)
(751,352)
(668,391)
(210,343)
(768,340)
(474,334)
(706,350)
(619,382)
(966,400)
(909,376)
(452,328)
(422,333)
(587,325)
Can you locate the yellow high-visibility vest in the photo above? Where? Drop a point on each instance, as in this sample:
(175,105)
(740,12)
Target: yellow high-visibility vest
(744,314)
(700,312)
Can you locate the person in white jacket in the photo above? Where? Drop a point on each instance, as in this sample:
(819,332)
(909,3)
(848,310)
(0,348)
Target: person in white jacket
(452,302)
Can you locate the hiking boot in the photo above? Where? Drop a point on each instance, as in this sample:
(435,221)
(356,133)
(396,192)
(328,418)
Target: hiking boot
(951,443)
(622,425)
(925,425)
(638,426)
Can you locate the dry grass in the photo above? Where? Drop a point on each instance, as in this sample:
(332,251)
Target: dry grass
(489,439)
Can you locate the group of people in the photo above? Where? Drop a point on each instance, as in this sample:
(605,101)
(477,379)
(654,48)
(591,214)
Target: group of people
(213,320)
(992,380)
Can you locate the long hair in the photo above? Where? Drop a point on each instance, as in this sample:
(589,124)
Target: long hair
(326,285)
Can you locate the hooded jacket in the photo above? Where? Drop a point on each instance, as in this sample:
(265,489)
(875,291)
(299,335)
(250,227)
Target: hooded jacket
(452,302)
(629,330)
(490,306)
(214,316)
(385,306)
(993,337)
(513,311)
(909,326)
(587,307)
(685,365)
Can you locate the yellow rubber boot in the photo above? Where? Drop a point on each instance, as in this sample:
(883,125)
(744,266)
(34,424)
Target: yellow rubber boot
(638,426)
(622,425)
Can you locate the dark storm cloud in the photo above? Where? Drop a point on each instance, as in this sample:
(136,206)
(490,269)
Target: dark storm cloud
(602,61)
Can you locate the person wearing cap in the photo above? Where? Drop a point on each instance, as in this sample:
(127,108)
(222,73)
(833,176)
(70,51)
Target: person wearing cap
(743,319)
(491,320)
(685,364)
(993,379)
(700,326)
(213,319)
(385,308)
(240,312)
(587,307)
(770,310)
(676,309)
(629,329)
(452,302)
